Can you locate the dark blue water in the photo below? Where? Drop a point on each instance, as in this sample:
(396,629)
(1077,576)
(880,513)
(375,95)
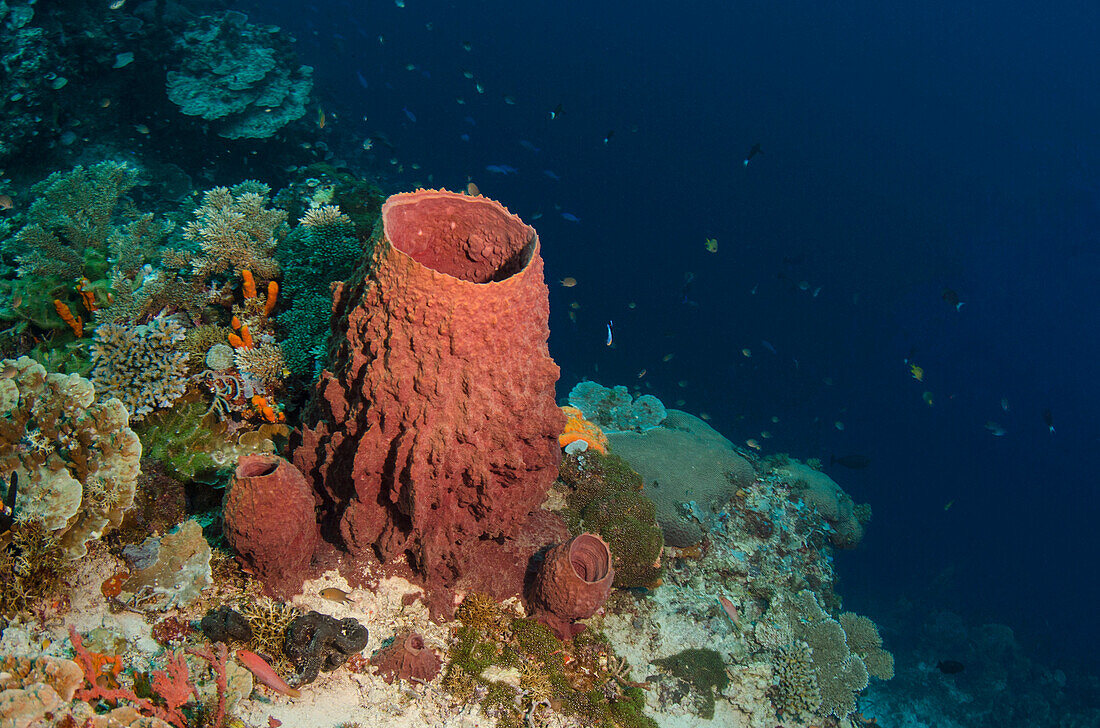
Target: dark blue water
(906,150)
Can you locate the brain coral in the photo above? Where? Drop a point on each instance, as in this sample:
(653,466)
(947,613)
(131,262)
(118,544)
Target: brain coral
(77,459)
(681,461)
(820,491)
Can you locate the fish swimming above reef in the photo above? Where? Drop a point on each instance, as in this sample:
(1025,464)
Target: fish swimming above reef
(752,153)
(951,298)
(556,113)
(852,462)
(1048,420)
(950,667)
(995,429)
(501,169)
(336,595)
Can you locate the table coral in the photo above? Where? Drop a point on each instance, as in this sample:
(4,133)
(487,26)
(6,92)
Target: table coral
(239,76)
(77,460)
(435,435)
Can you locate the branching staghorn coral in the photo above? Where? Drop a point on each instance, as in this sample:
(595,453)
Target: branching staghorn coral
(145,366)
(236,230)
(69,223)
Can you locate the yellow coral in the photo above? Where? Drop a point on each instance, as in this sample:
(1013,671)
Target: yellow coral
(578,428)
(236,230)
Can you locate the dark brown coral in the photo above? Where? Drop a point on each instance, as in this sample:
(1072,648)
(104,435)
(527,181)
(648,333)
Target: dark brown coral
(318,642)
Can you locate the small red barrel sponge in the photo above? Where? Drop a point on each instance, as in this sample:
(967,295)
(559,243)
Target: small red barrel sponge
(436,432)
(575,579)
(408,658)
(270,520)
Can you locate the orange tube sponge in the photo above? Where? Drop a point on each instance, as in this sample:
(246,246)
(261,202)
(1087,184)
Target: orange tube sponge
(272,297)
(249,287)
(74,322)
(235,341)
(578,428)
(246,337)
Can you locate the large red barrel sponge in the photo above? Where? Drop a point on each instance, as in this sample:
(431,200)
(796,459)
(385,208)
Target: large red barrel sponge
(270,520)
(437,427)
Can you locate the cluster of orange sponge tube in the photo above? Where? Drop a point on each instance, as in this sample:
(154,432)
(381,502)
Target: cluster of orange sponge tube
(578,428)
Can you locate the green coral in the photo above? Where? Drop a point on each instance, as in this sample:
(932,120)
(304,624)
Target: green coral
(194,445)
(703,670)
(81,231)
(70,221)
(322,249)
(606,498)
(575,676)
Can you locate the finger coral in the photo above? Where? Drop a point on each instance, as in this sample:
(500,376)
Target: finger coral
(144,367)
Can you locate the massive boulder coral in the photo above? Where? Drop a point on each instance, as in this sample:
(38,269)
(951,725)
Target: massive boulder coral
(435,435)
(239,76)
(76,459)
(821,493)
(690,472)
